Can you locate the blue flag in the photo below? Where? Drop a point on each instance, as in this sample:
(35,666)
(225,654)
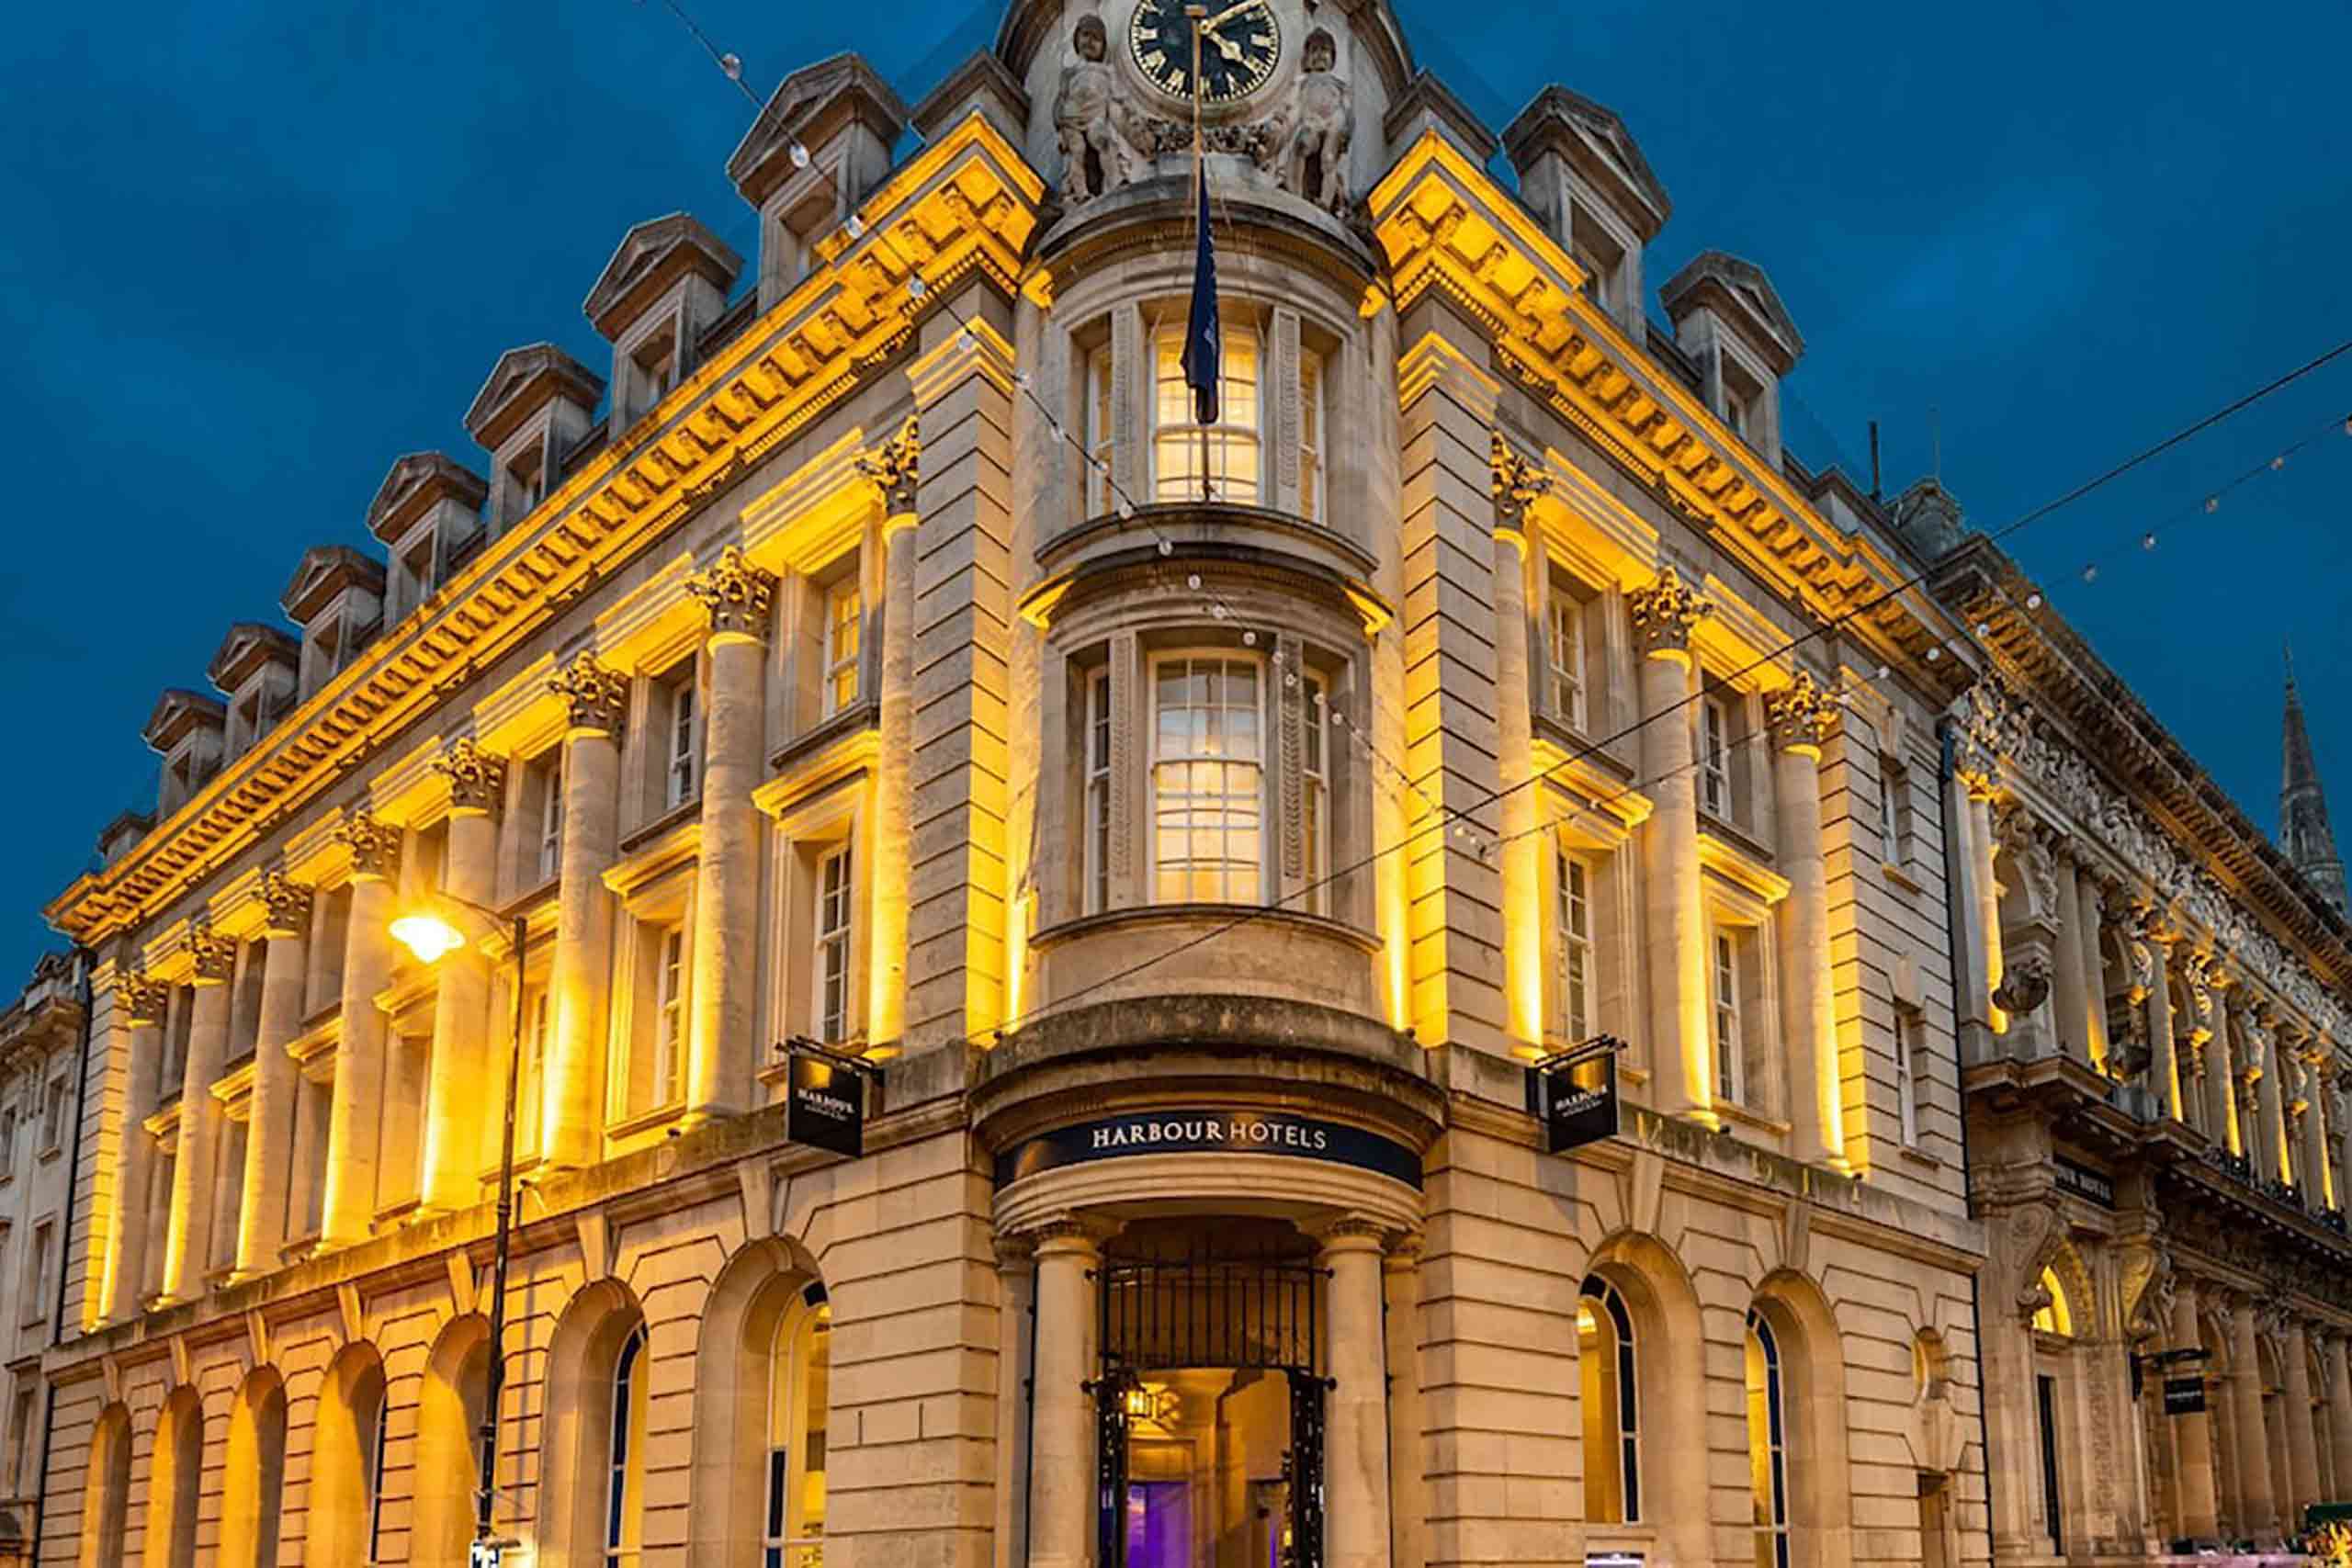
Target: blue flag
(1204,338)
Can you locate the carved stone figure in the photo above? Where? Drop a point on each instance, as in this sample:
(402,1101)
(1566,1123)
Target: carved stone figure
(2024,985)
(1313,136)
(1095,155)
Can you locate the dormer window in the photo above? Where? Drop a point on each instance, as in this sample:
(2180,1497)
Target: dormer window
(526,476)
(1600,253)
(653,371)
(415,572)
(1738,411)
(245,721)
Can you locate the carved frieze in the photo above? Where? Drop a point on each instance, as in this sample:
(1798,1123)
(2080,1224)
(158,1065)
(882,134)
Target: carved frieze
(2025,984)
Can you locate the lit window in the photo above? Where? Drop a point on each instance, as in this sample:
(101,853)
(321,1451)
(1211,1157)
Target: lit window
(1910,1031)
(1611,1405)
(1207,779)
(625,1475)
(1311,435)
(1725,986)
(833,902)
(551,813)
(1098,791)
(670,1017)
(1575,947)
(1767,1446)
(843,611)
(1564,642)
(683,762)
(799,1380)
(1314,790)
(538,1019)
(1893,792)
(1231,445)
(1714,757)
(1098,432)
(2056,1317)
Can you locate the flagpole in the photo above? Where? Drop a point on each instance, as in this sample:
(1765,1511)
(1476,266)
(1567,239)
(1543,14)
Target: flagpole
(1198,14)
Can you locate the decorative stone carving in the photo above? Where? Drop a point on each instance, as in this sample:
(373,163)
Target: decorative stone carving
(477,779)
(286,906)
(1519,483)
(1314,131)
(1091,117)
(2037,1234)
(1664,614)
(596,697)
(738,595)
(2024,985)
(894,466)
(215,955)
(1798,716)
(374,847)
(2016,831)
(144,1000)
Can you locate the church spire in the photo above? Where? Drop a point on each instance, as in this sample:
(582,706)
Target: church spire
(2303,831)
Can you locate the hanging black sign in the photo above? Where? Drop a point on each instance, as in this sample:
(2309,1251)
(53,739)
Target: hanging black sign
(826,1106)
(2185,1396)
(2085,1182)
(1574,1095)
(1209,1131)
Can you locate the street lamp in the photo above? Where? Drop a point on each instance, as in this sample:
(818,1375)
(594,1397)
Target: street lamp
(433,936)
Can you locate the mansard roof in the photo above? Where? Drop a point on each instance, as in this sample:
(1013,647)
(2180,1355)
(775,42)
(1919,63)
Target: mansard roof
(524,382)
(1741,293)
(1594,143)
(248,647)
(649,258)
(414,483)
(326,570)
(177,711)
(807,107)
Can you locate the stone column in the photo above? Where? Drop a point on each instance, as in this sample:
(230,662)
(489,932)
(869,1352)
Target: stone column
(2270,1105)
(269,1134)
(894,466)
(2073,999)
(1797,719)
(1682,1062)
(720,1051)
(189,1243)
(2221,1074)
(2302,1436)
(354,1138)
(2340,1103)
(2193,1438)
(1355,1443)
(1518,483)
(2092,898)
(2316,1179)
(143,1002)
(1401,1282)
(1062,1430)
(2336,1351)
(1016,1297)
(1977,811)
(570,1097)
(2258,1516)
(460,1088)
(2164,1056)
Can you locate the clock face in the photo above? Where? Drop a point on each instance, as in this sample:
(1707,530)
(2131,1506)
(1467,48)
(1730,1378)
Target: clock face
(1240,44)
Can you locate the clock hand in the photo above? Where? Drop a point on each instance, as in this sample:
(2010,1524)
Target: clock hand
(1225,46)
(1229,14)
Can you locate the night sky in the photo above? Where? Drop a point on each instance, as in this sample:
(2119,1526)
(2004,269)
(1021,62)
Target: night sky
(251,252)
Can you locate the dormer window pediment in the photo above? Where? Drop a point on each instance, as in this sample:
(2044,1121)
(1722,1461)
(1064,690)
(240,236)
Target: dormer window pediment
(327,572)
(417,483)
(651,259)
(524,382)
(812,106)
(249,650)
(1739,294)
(180,714)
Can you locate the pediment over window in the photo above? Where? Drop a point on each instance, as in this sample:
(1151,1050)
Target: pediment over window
(1744,298)
(651,258)
(180,712)
(248,647)
(420,480)
(524,382)
(813,105)
(326,570)
(1594,142)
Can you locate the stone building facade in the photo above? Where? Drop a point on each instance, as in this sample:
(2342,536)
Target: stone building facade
(1201,831)
(2153,1034)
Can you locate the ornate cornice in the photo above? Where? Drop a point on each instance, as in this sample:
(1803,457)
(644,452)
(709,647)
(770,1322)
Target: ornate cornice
(966,208)
(595,699)
(477,779)
(740,597)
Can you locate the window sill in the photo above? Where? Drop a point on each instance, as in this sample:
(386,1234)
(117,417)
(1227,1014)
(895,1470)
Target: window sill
(1916,1155)
(49,1154)
(863,715)
(1737,835)
(1732,1111)
(683,811)
(644,1121)
(1901,877)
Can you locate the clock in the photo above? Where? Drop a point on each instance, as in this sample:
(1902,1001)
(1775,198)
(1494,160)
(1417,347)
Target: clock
(1240,45)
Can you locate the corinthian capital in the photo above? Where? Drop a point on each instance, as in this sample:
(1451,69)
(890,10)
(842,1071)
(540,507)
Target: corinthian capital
(374,847)
(1519,485)
(896,469)
(142,1000)
(1798,716)
(215,955)
(594,696)
(1664,614)
(286,906)
(738,594)
(477,779)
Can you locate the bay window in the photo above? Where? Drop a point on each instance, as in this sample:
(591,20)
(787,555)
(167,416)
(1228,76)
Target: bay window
(1231,447)
(1207,778)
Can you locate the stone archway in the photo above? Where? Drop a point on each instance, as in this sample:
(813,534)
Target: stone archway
(253,1489)
(447,1472)
(1813,1370)
(106,1505)
(577,1433)
(174,1477)
(1671,1385)
(346,1460)
(763,1287)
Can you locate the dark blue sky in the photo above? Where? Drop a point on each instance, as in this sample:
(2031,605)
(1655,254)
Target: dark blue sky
(252,251)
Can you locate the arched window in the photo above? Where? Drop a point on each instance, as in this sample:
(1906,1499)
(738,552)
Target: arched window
(106,1506)
(1767,1446)
(348,1462)
(1613,1451)
(173,1482)
(2057,1317)
(625,1476)
(799,1379)
(252,1489)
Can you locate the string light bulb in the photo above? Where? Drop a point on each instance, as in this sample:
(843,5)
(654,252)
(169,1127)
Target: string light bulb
(2090,572)
(799,157)
(2148,540)
(856,227)
(2213,505)
(1935,653)
(2278,462)
(733,65)
(916,287)
(2033,601)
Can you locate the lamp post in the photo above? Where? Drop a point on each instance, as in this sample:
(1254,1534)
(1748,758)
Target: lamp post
(431,937)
